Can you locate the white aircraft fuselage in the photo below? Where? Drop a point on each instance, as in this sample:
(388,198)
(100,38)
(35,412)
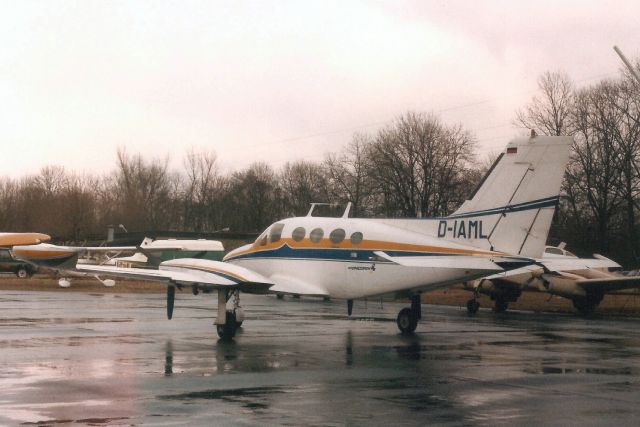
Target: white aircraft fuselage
(337,257)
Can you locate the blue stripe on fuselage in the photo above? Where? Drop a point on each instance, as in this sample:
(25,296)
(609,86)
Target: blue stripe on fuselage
(518,207)
(332,254)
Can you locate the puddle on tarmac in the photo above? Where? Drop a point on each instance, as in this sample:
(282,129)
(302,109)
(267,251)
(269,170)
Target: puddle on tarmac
(254,398)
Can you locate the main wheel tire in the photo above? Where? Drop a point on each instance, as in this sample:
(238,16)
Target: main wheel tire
(228,330)
(500,305)
(473,306)
(22,272)
(406,321)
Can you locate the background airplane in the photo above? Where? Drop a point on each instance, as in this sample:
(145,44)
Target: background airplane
(501,227)
(62,260)
(584,281)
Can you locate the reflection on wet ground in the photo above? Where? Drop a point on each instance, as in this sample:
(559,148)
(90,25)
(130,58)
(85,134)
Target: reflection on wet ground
(72,358)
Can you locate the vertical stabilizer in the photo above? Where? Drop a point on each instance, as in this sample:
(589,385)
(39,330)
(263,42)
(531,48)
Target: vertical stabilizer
(512,209)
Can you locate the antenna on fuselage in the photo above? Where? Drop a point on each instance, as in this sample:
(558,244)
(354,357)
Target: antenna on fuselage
(313,206)
(347,210)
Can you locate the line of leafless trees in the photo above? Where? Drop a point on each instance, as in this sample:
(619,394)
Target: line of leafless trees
(601,191)
(415,167)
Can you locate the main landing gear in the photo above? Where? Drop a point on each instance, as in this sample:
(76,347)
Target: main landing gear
(473,306)
(408,317)
(587,304)
(228,320)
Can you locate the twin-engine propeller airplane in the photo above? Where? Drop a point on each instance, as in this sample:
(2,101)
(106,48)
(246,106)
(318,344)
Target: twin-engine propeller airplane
(502,226)
(584,281)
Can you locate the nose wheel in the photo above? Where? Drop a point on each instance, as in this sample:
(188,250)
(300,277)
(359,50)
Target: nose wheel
(228,321)
(228,330)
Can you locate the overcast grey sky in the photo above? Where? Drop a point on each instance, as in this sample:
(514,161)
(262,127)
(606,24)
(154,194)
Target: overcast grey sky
(282,80)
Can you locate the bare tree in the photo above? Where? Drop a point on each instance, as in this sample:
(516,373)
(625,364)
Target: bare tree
(144,191)
(302,183)
(348,174)
(548,113)
(202,181)
(419,163)
(594,169)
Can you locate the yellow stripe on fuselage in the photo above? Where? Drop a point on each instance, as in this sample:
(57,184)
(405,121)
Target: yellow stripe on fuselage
(377,245)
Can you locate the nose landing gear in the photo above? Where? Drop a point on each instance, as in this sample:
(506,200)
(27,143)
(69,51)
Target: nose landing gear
(228,321)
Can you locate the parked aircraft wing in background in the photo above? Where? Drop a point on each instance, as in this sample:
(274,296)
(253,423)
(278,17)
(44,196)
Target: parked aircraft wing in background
(13,239)
(584,281)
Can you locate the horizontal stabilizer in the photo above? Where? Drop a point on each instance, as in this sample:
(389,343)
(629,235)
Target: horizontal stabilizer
(454,261)
(572,264)
(609,284)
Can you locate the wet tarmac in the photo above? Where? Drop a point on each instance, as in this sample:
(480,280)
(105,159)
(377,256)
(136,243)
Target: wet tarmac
(114,359)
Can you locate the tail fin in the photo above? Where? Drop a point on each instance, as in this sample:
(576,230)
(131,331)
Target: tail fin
(512,209)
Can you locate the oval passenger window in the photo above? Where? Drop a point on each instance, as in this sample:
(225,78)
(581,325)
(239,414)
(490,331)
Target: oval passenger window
(316,235)
(337,235)
(298,234)
(356,237)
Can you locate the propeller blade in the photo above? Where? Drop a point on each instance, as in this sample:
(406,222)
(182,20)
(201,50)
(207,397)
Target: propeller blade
(349,306)
(171,296)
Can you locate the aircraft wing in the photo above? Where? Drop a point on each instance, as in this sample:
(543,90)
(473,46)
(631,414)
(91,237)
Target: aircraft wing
(611,284)
(15,239)
(205,274)
(572,264)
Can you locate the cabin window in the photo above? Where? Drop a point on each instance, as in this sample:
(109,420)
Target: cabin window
(276,232)
(262,239)
(356,237)
(337,236)
(316,235)
(4,254)
(298,234)
(554,251)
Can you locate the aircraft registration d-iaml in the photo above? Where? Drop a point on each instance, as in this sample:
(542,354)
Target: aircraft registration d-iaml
(503,226)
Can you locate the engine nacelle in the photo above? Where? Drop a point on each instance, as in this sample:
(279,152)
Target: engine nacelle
(563,284)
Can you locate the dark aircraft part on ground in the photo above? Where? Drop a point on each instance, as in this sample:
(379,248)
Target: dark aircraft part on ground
(227,331)
(171,296)
(406,321)
(587,304)
(416,307)
(473,306)
(500,305)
